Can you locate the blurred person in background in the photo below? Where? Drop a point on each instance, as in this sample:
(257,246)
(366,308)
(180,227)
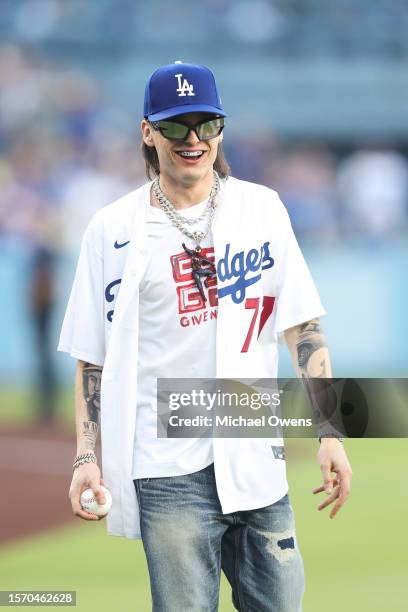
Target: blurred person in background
(373,190)
(98,166)
(42,300)
(150,300)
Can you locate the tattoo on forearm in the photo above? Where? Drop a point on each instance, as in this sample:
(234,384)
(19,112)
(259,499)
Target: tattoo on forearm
(310,340)
(313,365)
(91,388)
(90,431)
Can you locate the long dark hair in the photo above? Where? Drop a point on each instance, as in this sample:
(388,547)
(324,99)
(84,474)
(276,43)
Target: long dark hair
(221,165)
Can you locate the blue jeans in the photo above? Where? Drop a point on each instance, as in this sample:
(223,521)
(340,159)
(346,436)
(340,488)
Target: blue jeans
(187,540)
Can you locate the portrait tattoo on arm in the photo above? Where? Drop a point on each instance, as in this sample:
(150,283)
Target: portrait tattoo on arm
(91,387)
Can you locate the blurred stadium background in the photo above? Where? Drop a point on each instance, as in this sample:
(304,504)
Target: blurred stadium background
(317,97)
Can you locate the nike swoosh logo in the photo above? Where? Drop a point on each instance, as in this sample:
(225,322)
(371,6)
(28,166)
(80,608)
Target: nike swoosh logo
(120,245)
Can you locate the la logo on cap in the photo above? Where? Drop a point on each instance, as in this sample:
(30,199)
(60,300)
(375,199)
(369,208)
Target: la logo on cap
(184,88)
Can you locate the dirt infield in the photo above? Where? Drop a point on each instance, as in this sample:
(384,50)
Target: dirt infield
(35,469)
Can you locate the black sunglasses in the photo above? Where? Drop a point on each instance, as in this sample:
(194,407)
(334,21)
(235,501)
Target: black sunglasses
(179,130)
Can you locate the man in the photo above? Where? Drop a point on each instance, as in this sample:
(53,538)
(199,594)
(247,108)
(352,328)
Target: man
(194,275)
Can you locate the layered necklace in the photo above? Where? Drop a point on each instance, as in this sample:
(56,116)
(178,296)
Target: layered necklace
(200,265)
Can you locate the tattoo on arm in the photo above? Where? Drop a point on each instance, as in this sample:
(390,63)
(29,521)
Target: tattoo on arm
(91,388)
(309,341)
(312,365)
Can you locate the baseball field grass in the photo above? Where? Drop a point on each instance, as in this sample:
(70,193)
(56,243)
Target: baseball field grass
(358,561)
(18,406)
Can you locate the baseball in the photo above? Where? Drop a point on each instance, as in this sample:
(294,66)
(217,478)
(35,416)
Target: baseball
(89,503)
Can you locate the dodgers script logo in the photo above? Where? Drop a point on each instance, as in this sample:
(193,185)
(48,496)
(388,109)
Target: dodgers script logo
(184,88)
(239,268)
(242,269)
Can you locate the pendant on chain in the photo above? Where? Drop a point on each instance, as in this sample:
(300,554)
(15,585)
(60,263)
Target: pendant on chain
(200,267)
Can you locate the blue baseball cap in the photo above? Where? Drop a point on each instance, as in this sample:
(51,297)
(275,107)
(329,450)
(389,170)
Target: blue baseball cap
(181,88)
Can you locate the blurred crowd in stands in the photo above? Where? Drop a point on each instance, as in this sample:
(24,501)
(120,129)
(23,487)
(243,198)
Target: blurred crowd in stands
(288,28)
(66,151)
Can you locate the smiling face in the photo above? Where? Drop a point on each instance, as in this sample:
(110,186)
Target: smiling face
(188,162)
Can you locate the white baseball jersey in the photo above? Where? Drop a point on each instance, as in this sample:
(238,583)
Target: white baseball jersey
(263,288)
(177,339)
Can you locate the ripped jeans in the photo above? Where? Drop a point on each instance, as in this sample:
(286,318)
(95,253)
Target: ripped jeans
(187,540)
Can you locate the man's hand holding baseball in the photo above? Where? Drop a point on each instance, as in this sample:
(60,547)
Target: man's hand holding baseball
(87,476)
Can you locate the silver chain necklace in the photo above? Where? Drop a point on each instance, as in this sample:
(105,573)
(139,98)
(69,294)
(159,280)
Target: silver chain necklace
(201,267)
(179,221)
